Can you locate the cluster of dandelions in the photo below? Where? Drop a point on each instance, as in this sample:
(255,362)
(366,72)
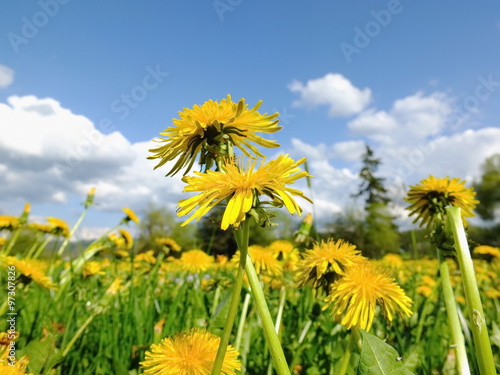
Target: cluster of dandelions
(354,285)
(246,185)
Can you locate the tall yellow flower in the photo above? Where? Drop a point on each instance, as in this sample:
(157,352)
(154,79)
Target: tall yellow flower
(9,222)
(326,262)
(354,297)
(211,130)
(433,194)
(131,216)
(195,261)
(189,353)
(29,270)
(169,243)
(243,186)
(263,259)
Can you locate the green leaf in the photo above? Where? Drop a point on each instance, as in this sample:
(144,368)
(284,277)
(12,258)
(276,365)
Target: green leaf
(495,337)
(43,355)
(379,358)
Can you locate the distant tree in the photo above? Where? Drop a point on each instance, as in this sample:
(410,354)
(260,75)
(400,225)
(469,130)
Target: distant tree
(371,187)
(158,221)
(488,188)
(380,234)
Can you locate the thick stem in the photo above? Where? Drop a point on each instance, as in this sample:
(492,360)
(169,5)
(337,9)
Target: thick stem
(272,339)
(451,309)
(479,329)
(241,235)
(347,355)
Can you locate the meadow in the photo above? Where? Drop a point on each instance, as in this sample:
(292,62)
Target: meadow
(305,303)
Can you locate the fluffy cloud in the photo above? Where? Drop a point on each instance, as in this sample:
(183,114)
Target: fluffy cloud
(49,155)
(333,90)
(410,119)
(6,76)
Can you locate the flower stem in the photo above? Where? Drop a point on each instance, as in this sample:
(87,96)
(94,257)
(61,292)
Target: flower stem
(451,309)
(73,230)
(241,236)
(347,355)
(267,322)
(479,330)
(243,318)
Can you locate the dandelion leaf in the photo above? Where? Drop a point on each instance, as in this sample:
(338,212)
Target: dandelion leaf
(379,358)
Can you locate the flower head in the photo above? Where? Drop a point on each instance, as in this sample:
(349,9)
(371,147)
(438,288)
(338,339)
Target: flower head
(131,216)
(355,295)
(195,261)
(433,194)
(8,367)
(325,262)
(189,353)
(263,259)
(491,251)
(9,222)
(243,186)
(58,227)
(211,130)
(169,243)
(30,270)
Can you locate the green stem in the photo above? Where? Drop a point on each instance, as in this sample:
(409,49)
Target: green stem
(12,241)
(280,309)
(267,322)
(241,325)
(78,334)
(452,311)
(347,355)
(41,248)
(241,236)
(73,230)
(479,329)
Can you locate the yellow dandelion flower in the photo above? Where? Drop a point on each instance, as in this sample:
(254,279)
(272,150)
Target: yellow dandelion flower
(492,293)
(354,297)
(424,290)
(147,257)
(212,129)
(195,261)
(189,353)
(286,252)
(117,241)
(169,243)
(392,261)
(30,270)
(325,262)
(115,286)
(8,366)
(263,259)
(242,187)
(131,216)
(9,222)
(434,194)
(487,250)
(58,227)
(92,268)
(127,238)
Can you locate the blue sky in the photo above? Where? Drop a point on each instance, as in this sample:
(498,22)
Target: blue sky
(417,80)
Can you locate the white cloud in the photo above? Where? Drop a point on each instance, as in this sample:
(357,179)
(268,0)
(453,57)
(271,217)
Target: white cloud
(333,90)
(349,150)
(410,119)
(6,76)
(50,154)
